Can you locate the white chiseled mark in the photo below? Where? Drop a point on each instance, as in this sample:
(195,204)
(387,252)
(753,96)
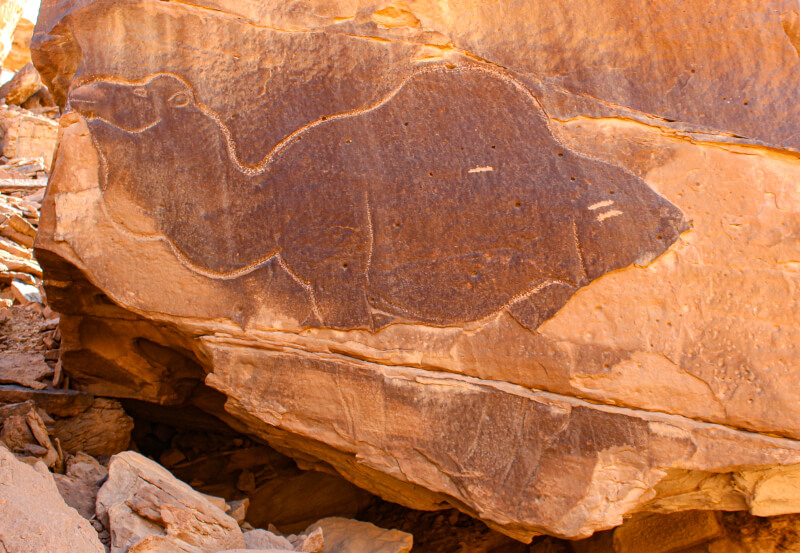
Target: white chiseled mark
(604,203)
(481,169)
(608,215)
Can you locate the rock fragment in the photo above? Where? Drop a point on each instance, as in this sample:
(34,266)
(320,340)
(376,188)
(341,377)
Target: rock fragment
(78,494)
(25,293)
(102,429)
(344,535)
(14,249)
(10,15)
(85,467)
(667,533)
(61,403)
(20,53)
(264,539)
(23,431)
(14,263)
(237,509)
(29,136)
(26,369)
(142,499)
(22,86)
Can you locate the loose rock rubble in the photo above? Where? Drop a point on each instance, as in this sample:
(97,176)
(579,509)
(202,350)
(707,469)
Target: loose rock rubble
(134,505)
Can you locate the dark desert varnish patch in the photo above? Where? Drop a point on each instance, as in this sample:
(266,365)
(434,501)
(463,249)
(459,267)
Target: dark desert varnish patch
(447,202)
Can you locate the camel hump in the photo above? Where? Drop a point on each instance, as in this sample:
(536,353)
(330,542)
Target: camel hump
(478,201)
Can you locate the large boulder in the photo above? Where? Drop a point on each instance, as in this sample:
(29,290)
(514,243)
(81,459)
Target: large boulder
(35,519)
(535,262)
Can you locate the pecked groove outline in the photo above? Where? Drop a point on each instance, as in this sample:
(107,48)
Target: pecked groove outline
(263,165)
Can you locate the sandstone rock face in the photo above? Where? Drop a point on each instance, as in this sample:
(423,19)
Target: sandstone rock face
(25,135)
(10,14)
(20,53)
(35,518)
(547,278)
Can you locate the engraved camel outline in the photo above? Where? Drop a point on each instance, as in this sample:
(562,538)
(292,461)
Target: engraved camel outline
(184,95)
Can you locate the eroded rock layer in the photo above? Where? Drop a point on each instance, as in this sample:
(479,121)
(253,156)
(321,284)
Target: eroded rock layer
(547,278)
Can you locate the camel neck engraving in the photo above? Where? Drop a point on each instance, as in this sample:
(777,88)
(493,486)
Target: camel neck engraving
(448,201)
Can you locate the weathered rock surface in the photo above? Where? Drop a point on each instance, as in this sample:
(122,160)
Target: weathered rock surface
(103,429)
(142,500)
(662,534)
(10,15)
(80,484)
(263,539)
(544,277)
(22,86)
(26,369)
(344,535)
(27,135)
(20,53)
(34,517)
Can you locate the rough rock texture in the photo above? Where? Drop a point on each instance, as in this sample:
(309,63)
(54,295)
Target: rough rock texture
(548,278)
(80,484)
(20,53)
(142,500)
(263,539)
(10,15)
(22,86)
(34,517)
(344,535)
(26,369)
(103,429)
(27,135)
(663,534)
